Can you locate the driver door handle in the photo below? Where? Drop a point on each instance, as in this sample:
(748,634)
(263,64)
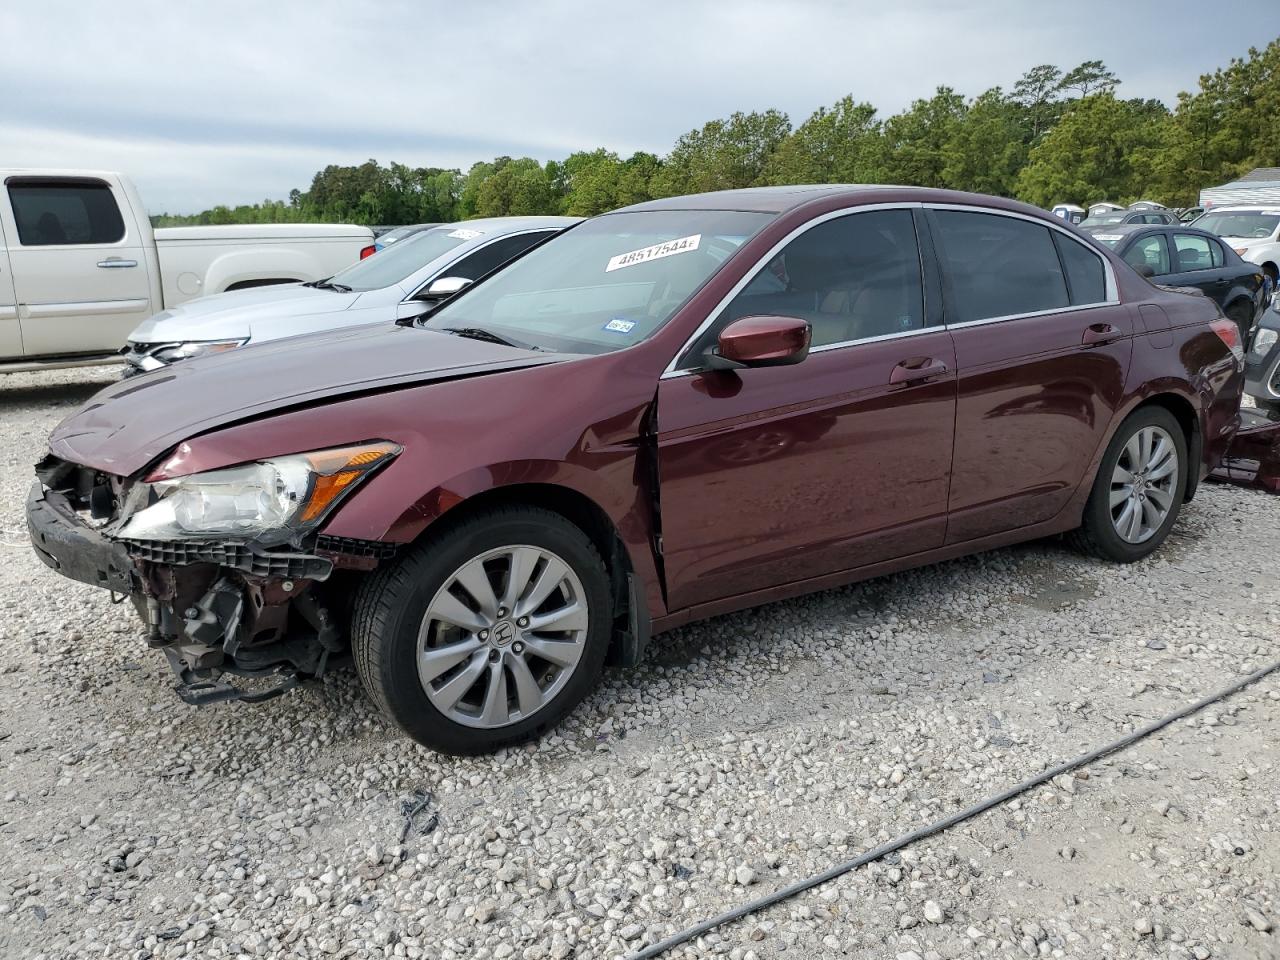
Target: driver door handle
(1097,334)
(917,369)
(116,263)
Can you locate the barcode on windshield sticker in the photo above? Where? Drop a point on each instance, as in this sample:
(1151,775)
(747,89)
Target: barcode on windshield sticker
(466,234)
(655,252)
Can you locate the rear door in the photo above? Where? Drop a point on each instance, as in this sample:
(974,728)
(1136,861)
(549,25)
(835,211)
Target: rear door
(1042,353)
(775,475)
(1197,262)
(79,265)
(10,334)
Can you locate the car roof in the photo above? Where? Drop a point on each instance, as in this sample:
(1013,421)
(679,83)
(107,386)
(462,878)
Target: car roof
(787,198)
(493,226)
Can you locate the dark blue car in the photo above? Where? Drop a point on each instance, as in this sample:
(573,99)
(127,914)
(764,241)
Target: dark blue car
(1178,256)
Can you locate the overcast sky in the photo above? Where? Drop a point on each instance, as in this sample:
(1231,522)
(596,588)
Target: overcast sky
(231,102)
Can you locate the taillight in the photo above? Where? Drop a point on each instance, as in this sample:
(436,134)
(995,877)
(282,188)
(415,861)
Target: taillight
(368,251)
(1241,250)
(1229,334)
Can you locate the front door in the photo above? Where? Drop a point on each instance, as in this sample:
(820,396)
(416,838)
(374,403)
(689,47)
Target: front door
(1042,351)
(776,475)
(10,334)
(79,265)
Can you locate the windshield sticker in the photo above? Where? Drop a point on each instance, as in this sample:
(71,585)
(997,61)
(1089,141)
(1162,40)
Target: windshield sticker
(1109,237)
(466,234)
(655,252)
(619,325)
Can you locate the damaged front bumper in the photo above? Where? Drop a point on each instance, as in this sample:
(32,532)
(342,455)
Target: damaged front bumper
(1253,459)
(215,608)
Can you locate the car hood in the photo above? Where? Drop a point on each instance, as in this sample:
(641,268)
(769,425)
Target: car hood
(232,315)
(126,426)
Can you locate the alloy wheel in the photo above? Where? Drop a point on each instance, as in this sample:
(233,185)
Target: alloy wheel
(502,636)
(1143,484)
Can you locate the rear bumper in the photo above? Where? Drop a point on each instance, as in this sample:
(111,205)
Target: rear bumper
(74,550)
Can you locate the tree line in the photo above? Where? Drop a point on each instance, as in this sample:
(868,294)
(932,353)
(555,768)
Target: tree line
(1056,137)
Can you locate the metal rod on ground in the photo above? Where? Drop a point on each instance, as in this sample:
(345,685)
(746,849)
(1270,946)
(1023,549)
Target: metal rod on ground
(808,883)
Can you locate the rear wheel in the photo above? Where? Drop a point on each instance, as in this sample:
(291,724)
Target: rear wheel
(1139,489)
(488,635)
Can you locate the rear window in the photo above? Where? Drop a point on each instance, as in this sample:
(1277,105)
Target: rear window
(1086,279)
(998,266)
(54,214)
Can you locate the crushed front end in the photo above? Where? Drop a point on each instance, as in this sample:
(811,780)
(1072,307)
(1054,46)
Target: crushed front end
(227,570)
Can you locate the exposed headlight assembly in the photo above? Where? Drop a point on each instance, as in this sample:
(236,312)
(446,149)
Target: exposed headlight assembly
(1263,341)
(196,348)
(271,502)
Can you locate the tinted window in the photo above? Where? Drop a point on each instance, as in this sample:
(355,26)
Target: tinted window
(852,278)
(476,265)
(998,266)
(1192,253)
(50,214)
(1149,252)
(1086,279)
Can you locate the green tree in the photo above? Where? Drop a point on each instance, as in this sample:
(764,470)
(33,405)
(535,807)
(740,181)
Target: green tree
(986,149)
(917,141)
(516,188)
(723,154)
(1092,76)
(1095,152)
(842,144)
(1038,91)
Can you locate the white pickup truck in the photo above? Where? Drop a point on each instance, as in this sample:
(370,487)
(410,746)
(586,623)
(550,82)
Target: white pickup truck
(80,266)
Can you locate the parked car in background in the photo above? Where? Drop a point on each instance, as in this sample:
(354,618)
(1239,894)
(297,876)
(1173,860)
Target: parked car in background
(396,234)
(1186,257)
(490,502)
(1187,214)
(424,268)
(80,265)
(1253,232)
(1262,364)
(1127,216)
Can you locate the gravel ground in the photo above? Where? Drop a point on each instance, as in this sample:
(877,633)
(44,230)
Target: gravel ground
(746,752)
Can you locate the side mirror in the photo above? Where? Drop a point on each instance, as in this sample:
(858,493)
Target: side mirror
(1145,270)
(444,287)
(408,311)
(762,341)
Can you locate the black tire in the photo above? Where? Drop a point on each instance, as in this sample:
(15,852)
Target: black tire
(390,605)
(1097,535)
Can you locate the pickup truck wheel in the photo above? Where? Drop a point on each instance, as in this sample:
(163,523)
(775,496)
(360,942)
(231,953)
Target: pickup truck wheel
(1138,491)
(488,635)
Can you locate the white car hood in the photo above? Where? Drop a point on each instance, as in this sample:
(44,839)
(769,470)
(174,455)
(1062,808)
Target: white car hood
(235,315)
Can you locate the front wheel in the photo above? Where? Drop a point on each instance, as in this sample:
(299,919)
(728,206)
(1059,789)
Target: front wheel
(488,635)
(1139,489)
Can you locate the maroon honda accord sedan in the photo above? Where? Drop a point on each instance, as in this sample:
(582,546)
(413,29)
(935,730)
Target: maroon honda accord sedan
(682,408)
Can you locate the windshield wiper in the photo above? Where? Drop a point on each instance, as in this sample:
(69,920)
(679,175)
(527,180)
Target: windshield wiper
(479,333)
(328,284)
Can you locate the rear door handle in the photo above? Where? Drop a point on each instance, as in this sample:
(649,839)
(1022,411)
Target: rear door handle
(115,263)
(1097,334)
(917,369)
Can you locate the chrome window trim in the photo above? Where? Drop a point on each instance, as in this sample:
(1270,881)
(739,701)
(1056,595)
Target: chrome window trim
(673,370)
(1112,289)
(1035,313)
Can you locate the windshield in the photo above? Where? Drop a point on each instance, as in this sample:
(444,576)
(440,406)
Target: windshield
(394,263)
(1254,224)
(604,285)
(1103,220)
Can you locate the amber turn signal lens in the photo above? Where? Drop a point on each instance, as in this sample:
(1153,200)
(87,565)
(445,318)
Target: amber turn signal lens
(336,470)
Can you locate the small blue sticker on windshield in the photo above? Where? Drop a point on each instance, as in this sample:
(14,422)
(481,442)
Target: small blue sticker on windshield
(620,325)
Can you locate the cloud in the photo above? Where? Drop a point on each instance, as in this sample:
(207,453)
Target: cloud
(235,101)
